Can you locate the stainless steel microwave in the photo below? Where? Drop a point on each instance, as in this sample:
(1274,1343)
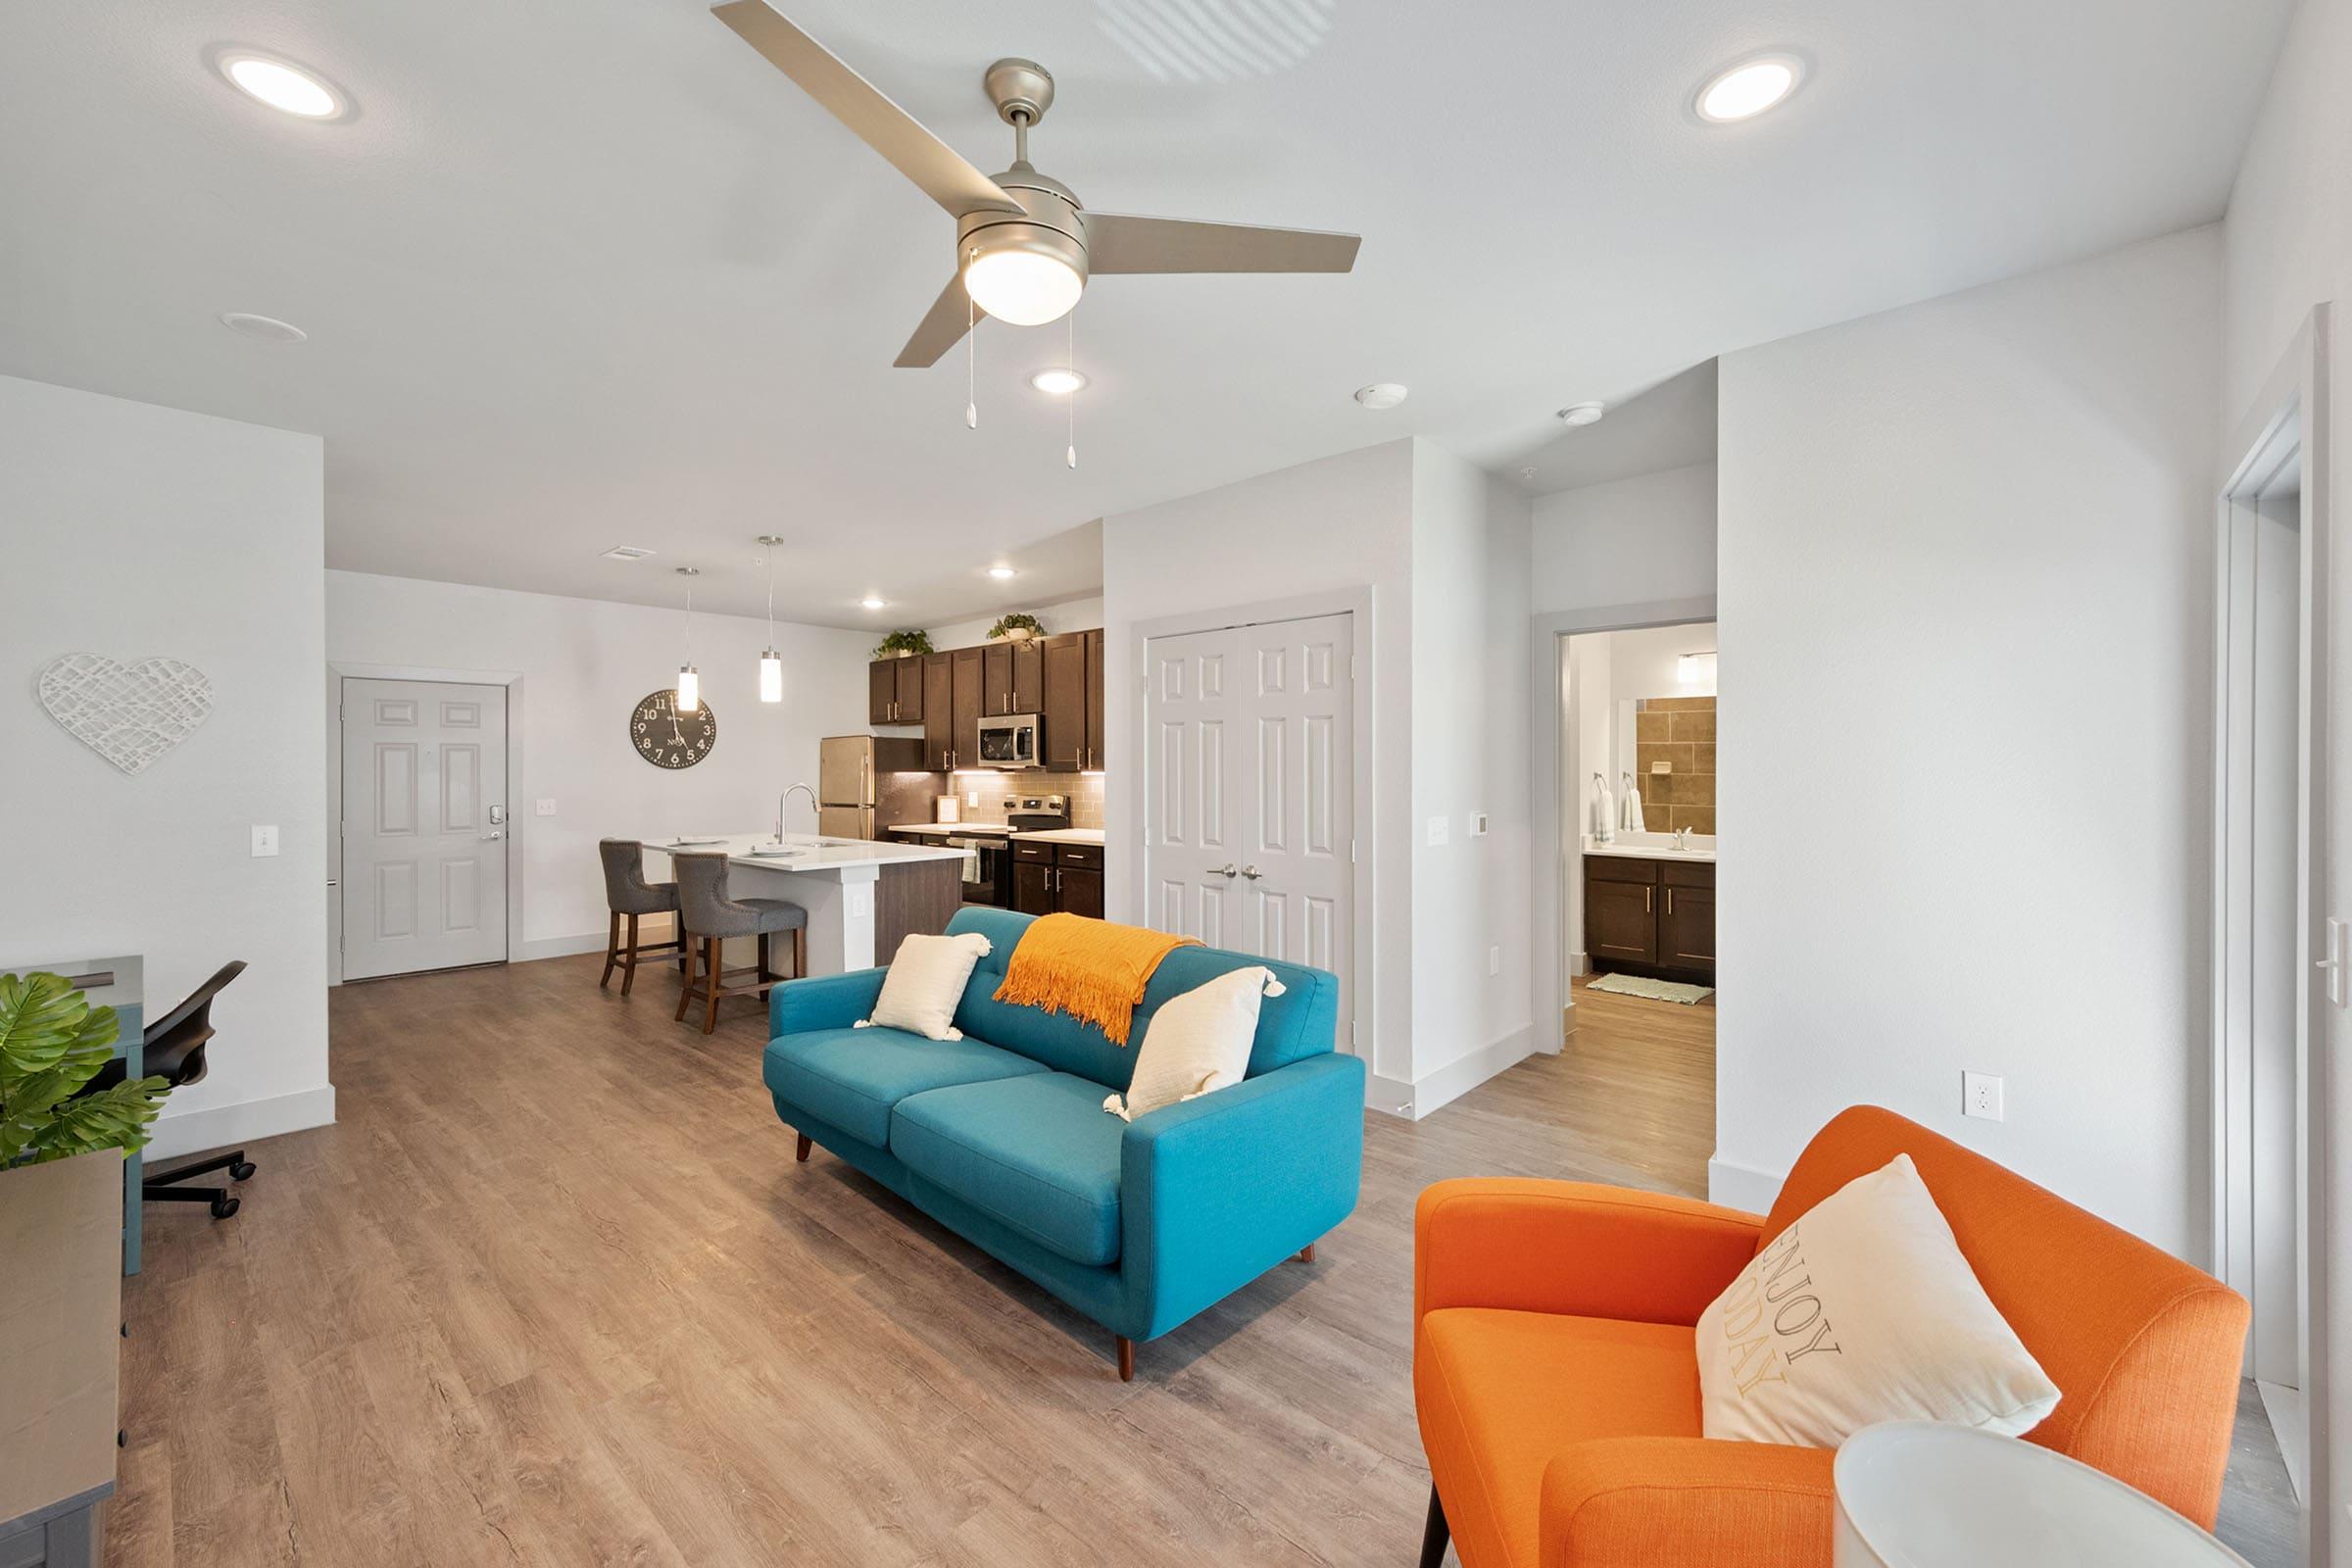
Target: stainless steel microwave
(1009,740)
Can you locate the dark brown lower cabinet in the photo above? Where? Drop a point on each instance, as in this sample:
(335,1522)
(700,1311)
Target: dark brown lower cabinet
(1645,917)
(1052,878)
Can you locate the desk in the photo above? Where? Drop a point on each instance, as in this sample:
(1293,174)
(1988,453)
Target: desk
(125,996)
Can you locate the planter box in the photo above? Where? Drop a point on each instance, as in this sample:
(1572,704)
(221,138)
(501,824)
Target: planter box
(61,1253)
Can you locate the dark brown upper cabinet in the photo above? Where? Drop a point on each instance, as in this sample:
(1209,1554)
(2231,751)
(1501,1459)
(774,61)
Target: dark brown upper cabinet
(894,691)
(965,668)
(939,712)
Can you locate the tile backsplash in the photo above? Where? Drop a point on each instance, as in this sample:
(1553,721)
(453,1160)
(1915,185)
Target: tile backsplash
(1085,792)
(1679,732)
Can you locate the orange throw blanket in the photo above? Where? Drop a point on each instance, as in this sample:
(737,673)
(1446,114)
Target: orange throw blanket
(1090,970)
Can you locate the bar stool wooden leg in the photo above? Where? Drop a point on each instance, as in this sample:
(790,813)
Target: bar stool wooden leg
(710,973)
(629,965)
(686,968)
(799,953)
(764,975)
(612,951)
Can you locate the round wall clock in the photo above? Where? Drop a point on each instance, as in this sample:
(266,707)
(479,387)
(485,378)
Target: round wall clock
(667,738)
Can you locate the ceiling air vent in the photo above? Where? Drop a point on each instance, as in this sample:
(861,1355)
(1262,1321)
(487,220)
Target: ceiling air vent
(628,553)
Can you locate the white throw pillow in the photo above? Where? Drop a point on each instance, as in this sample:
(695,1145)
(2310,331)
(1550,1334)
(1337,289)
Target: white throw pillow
(1863,1310)
(925,982)
(1196,1042)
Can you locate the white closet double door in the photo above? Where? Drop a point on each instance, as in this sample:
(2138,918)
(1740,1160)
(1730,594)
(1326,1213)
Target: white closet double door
(1249,791)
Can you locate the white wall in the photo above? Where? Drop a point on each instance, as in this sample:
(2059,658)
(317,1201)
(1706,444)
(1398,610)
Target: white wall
(1639,541)
(1470,896)
(1338,525)
(1072,614)
(584,664)
(1965,551)
(136,531)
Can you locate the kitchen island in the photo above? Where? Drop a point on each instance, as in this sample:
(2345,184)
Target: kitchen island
(861,896)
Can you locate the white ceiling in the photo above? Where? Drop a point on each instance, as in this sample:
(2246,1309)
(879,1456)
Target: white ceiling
(592,273)
(1671,425)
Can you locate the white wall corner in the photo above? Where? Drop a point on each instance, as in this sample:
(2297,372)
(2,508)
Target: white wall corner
(241,1121)
(1736,1186)
(1417,1100)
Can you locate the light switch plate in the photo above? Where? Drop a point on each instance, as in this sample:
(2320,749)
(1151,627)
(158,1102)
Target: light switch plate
(2338,961)
(1494,960)
(1661,767)
(1440,830)
(545,807)
(264,840)
(1981,1095)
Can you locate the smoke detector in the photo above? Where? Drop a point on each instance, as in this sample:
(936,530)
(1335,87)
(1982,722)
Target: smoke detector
(626,552)
(1381,395)
(1583,413)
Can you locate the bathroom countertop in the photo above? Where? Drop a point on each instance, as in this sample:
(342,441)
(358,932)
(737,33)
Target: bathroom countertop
(1654,846)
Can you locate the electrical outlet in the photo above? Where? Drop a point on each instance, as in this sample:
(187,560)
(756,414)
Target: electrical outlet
(1981,1095)
(971,797)
(1438,830)
(1494,960)
(265,841)
(546,808)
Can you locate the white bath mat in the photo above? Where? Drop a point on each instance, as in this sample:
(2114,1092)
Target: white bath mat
(1634,985)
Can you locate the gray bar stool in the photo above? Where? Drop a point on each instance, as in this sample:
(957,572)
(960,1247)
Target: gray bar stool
(630,897)
(710,916)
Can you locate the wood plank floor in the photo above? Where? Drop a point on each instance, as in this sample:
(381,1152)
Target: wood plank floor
(553,1292)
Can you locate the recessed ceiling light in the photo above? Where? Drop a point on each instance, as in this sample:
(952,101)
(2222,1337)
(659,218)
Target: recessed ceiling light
(282,84)
(262,326)
(1001,573)
(869,602)
(1748,88)
(628,553)
(1583,413)
(1057,381)
(1381,394)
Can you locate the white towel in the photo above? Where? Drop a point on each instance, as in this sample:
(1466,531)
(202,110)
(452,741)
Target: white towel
(1604,811)
(971,866)
(1629,810)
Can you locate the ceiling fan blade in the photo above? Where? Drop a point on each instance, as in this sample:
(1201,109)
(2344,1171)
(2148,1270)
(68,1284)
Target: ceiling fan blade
(940,170)
(1116,242)
(943,326)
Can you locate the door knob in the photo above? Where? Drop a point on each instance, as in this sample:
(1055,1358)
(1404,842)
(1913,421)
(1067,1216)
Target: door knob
(1251,872)
(1225,871)
(492,836)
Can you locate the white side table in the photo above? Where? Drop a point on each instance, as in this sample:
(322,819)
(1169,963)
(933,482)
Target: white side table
(1927,1494)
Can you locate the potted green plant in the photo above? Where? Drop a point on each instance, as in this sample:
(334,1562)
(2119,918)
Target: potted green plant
(1019,627)
(52,1043)
(904,645)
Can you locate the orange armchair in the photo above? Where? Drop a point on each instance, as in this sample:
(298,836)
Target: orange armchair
(1556,1378)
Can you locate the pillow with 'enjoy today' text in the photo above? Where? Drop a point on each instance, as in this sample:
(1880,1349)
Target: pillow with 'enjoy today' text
(1863,1310)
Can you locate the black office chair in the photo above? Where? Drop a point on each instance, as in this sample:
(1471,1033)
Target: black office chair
(175,1054)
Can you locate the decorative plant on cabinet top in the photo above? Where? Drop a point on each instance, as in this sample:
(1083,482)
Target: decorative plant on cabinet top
(52,1043)
(904,645)
(1019,626)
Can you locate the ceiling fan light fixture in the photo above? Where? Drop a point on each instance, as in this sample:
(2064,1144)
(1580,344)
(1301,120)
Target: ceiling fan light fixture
(1023,283)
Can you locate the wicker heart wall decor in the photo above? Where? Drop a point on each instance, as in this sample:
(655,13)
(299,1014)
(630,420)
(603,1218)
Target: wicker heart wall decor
(131,714)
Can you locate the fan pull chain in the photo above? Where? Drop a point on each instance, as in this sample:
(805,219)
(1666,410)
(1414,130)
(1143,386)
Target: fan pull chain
(1070,454)
(971,361)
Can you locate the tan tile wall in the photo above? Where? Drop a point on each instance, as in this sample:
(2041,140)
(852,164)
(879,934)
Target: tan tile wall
(1085,792)
(1678,731)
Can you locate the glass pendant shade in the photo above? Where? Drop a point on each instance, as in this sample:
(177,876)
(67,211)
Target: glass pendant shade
(690,689)
(1022,287)
(771,676)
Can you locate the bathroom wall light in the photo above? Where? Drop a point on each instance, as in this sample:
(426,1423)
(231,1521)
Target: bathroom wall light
(1695,669)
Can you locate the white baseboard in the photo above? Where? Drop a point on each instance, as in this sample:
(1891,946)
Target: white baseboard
(240,1122)
(1450,1082)
(558,946)
(1743,1186)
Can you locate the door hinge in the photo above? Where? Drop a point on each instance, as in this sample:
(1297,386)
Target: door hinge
(1351,852)
(1351,1038)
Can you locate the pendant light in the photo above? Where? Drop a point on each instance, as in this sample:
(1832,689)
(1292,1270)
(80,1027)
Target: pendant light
(690,683)
(771,663)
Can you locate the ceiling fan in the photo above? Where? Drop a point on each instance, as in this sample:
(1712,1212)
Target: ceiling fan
(1025,246)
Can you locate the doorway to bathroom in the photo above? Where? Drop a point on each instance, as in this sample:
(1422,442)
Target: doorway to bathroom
(1639,834)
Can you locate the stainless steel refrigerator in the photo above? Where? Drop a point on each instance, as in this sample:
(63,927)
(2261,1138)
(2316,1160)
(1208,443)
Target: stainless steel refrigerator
(866,783)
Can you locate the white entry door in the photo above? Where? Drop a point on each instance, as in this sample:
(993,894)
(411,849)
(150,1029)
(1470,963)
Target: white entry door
(1249,791)
(424,826)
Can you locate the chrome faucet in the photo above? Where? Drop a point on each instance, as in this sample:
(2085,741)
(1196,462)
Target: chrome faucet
(786,796)
(1682,838)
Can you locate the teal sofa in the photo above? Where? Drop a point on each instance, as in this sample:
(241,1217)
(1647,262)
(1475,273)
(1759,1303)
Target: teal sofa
(1002,1136)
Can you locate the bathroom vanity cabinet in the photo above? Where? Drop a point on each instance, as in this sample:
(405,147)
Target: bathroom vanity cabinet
(1650,916)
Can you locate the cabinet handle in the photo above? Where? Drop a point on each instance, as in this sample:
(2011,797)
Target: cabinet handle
(1670,901)
(1649,901)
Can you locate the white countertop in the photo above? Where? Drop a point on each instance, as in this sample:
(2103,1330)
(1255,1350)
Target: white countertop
(967,829)
(1063,835)
(813,854)
(1654,846)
